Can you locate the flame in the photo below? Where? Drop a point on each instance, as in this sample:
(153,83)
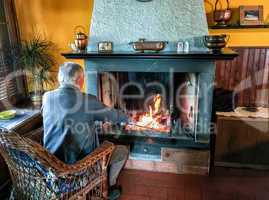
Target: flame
(156,119)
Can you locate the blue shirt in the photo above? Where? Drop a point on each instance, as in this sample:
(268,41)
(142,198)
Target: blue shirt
(68,120)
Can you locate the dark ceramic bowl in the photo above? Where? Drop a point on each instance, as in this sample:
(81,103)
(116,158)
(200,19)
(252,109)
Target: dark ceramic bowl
(215,42)
(215,45)
(216,38)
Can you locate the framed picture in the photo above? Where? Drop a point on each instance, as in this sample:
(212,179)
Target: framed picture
(251,15)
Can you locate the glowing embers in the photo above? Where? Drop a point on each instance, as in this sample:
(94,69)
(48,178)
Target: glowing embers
(156,118)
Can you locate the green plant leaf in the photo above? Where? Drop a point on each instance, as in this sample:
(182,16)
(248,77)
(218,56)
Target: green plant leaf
(37,57)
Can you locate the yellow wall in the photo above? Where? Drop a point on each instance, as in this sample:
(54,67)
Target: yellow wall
(245,37)
(55,19)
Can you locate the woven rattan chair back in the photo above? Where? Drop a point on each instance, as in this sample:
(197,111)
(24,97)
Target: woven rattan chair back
(36,174)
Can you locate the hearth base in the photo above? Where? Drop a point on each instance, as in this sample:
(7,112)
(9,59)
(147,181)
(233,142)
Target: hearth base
(153,145)
(170,155)
(177,161)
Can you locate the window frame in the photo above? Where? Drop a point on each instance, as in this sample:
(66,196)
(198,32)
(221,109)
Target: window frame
(10,49)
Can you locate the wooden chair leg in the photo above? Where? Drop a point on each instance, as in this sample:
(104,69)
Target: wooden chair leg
(105,188)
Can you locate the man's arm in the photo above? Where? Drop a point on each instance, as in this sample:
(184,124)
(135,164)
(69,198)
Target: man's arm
(103,113)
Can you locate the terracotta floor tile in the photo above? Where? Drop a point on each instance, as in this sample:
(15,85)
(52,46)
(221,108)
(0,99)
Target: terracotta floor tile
(226,184)
(128,190)
(134,197)
(173,194)
(157,198)
(159,192)
(141,190)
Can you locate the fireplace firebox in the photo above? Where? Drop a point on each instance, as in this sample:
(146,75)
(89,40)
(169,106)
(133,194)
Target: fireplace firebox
(158,104)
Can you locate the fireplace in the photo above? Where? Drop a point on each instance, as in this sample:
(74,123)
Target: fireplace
(167,95)
(168,99)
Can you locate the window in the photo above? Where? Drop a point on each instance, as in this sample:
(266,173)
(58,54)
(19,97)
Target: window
(9,87)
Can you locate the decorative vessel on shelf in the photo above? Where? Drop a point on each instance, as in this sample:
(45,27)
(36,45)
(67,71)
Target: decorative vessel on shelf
(81,39)
(216,42)
(221,17)
(143,45)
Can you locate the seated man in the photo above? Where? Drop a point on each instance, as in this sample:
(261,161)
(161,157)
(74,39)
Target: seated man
(68,118)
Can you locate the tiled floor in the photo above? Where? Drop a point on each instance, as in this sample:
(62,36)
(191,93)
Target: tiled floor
(226,184)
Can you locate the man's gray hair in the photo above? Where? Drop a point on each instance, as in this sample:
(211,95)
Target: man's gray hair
(68,73)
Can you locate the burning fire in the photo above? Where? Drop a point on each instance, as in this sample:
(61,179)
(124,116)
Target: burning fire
(156,119)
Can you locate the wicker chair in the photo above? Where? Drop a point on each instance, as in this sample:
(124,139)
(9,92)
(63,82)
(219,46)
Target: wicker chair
(37,174)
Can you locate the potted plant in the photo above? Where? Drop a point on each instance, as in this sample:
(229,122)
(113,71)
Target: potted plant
(37,58)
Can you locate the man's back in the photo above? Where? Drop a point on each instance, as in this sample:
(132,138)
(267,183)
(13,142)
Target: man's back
(68,117)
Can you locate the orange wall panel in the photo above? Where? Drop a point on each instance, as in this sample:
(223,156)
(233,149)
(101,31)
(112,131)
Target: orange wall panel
(55,19)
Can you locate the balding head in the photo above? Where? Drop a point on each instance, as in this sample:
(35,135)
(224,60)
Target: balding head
(71,73)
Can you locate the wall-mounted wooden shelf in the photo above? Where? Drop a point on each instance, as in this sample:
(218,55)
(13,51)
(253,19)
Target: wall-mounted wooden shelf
(238,27)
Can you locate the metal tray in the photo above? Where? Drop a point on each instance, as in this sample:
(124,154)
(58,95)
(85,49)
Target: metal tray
(143,45)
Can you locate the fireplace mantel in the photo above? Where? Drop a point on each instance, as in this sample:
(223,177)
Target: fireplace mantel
(226,54)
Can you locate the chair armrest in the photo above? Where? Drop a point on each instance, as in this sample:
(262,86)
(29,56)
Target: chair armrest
(62,179)
(101,155)
(89,174)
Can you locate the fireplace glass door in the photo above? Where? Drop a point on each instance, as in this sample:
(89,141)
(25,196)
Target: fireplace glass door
(157,104)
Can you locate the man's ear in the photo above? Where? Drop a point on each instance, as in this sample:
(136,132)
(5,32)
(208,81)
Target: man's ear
(80,80)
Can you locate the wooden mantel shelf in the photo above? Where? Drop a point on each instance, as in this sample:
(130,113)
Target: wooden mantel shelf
(226,54)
